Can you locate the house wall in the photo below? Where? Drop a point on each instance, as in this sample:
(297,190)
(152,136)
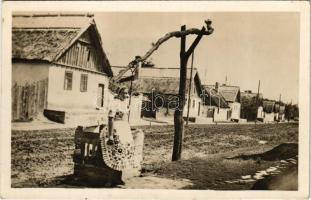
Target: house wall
(221,114)
(164,114)
(236,110)
(135,108)
(208,111)
(74,99)
(269,117)
(195,103)
(29,72)
(260,113)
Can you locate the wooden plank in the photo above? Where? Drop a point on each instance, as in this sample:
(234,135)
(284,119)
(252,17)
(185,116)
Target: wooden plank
(87,58)
(69,54)
(82,57)
(37,97)
(41,98)
(93,59)
(18,102)
(33,107)
(29,102)
(46,93)
(24,108)
(79,54)
(14,101)
(76,54)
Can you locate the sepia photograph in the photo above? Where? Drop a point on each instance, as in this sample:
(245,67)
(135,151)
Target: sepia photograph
(168,100)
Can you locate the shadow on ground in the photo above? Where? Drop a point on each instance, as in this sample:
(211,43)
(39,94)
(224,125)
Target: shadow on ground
(280,152)
(287,180)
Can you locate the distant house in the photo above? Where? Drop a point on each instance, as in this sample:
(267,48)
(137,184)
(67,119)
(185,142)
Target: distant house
(232,96)
(160,87)
(268,109)
(59,67)
(251,105)
(281,116)
(279,110)
(272,111)
(250,94)
(217,107)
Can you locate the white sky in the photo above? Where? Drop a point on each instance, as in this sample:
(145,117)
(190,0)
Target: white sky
(245,47)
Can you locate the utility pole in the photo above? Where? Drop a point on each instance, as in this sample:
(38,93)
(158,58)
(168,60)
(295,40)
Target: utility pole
(258,89)
(257,101)
(210,97)
(178,115)
(189,92)
(279,117)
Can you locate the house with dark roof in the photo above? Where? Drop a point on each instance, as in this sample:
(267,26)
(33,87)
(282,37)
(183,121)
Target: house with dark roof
(217,107)
(268,109)
(250,105)
(232,95)
(160,87)
(59,66)
(272,111)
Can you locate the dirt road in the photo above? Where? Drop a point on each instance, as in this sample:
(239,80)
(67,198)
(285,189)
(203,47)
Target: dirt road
(40,158)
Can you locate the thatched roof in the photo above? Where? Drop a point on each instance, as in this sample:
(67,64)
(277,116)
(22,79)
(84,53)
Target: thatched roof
(40,44)
(157,72)
(159,85)
(249,95)
(282,110)
(46,37)
(268,106)
(230,93)
(161,80)
(214,98)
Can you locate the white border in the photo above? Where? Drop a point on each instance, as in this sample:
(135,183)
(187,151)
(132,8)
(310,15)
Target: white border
(163,6)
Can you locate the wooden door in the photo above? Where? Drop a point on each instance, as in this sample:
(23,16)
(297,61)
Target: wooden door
(100,95)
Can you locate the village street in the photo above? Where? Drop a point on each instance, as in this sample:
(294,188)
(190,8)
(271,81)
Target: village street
(102,112)
(43,158)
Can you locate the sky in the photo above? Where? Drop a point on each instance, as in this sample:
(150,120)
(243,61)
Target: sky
(245,47)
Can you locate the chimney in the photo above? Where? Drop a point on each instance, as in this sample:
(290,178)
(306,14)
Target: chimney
(216,86)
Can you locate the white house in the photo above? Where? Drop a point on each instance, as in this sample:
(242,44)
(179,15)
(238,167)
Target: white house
(232,96)
(59,68)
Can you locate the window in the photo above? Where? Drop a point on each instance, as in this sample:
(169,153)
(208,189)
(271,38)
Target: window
(83,83)
(193,103)
(68,80)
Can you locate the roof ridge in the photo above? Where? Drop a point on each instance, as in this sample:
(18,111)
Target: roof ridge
(90,15)
(229,86)
(44,28)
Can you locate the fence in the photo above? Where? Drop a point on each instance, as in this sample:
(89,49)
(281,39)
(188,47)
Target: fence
(28,100)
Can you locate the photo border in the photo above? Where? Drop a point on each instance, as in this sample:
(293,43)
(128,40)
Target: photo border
(302,7)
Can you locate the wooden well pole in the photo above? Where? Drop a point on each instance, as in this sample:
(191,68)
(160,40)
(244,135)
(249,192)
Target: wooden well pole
(178,115)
